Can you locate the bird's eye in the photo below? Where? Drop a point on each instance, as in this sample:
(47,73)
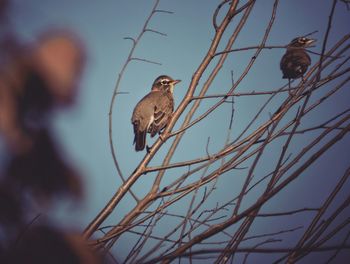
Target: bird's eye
(164,82)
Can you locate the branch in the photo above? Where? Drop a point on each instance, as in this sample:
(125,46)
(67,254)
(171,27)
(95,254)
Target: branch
(253,250)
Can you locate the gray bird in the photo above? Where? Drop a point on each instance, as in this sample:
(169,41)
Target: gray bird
(295,61)
(153,112)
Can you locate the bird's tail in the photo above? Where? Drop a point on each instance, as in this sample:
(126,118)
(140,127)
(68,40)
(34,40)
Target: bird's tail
(140,138)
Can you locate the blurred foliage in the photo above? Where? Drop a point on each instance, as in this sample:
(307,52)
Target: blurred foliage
(35,80)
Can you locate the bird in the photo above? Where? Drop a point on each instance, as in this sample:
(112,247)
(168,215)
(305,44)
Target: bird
(296,61)
(153,112)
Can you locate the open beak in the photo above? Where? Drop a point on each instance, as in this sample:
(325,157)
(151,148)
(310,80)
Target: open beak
(176,81)
(310,41)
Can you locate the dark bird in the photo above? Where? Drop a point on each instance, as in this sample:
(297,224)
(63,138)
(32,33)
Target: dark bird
(153,112)
(295,61)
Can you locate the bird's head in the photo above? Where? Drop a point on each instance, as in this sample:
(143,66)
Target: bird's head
(164,83)
(301,42)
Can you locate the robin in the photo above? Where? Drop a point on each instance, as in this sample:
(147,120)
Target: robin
(295,61)
(153,112)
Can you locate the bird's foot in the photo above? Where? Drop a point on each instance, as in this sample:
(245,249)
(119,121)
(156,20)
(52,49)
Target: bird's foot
(148,149)
(161,131)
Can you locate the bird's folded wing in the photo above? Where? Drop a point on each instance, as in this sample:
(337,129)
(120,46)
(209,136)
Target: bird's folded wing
(161,117)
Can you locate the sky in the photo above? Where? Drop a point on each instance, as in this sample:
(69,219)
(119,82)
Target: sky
(83,130)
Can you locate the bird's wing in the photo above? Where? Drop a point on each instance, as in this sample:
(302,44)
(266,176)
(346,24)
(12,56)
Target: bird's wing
(162,114)
(284,61)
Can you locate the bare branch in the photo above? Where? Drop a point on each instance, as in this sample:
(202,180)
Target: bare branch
(145,60)
(155,31)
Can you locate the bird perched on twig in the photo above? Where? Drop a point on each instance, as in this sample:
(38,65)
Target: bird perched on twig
(153,112)
(295,61)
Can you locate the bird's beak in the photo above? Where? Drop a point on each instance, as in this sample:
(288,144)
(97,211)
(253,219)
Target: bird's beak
(176,81)
(310,41)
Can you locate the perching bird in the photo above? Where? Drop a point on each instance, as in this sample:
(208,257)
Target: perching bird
(153,112)
(295,61)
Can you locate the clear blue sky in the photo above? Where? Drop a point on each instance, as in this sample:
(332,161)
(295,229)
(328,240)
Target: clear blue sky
(102,25)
